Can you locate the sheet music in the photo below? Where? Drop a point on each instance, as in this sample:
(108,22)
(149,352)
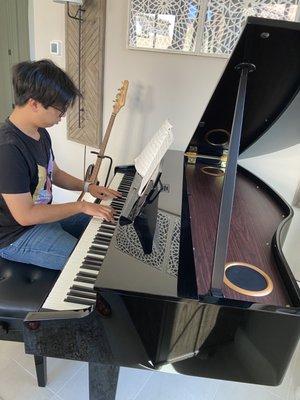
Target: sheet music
(148,161)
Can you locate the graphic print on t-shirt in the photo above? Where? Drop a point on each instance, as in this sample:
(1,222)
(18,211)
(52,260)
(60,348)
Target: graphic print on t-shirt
(43,190)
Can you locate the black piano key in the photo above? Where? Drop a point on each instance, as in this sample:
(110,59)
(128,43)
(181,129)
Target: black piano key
(97,243)
(96,252)
(117,204)
(110,227)
(117,207)
(93,263)
(84,280)
(84,295)
(82,288)
(110,223)
(87,275)
(76,300)
(104,239)
(91,259)
(105,234)
(105,229)
(90,267)
(120,200)
(101,243)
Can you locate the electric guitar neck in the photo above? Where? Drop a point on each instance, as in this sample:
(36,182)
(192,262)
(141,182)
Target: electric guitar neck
(93,170)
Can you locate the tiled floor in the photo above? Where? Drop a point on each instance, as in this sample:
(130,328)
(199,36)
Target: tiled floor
(68,380)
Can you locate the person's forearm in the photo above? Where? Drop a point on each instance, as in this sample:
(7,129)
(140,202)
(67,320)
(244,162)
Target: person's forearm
(45,213)
(63,180)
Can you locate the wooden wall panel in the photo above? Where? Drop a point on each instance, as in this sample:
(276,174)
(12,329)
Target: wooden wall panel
(85,64)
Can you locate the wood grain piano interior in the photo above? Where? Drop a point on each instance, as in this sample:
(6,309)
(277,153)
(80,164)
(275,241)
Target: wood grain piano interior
(255,218)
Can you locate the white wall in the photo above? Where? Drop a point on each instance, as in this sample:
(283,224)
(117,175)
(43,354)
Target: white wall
(160,86)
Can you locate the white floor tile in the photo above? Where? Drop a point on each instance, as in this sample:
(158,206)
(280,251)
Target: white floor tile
(10,350)
(17,384)
(131,381)
(162,386)
(238,391)
(202,388)
(58,371)
(77,387)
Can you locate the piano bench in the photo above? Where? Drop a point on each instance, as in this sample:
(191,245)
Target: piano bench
(23,288)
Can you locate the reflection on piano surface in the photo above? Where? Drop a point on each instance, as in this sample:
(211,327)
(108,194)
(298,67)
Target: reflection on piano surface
(164,307)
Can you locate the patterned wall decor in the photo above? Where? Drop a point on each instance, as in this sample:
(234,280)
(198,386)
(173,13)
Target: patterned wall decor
(225,18)
(198,26)
(165,253)
(85,64)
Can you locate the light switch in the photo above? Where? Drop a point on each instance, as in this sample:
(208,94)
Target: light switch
(55,47)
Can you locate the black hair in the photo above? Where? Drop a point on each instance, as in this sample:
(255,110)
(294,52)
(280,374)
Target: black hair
(45,82)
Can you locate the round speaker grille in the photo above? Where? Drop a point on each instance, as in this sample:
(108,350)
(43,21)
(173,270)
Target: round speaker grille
(247,279)
(217,137)
(215,171)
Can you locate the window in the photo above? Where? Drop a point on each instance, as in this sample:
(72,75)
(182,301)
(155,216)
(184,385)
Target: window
(198,26)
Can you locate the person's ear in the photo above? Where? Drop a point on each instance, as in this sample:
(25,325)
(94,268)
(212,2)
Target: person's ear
(34,105)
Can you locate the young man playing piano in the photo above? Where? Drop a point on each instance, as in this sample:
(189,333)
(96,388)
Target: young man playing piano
(32,229)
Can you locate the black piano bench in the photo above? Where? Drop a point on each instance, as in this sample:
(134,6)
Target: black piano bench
(23,288)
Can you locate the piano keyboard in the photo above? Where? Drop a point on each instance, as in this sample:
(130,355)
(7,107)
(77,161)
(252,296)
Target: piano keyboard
(74,288)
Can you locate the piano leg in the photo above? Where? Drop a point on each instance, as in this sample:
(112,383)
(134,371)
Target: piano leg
(103,380)
(41,370)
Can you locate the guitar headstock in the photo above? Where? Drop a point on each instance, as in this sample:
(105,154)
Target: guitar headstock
(120,97)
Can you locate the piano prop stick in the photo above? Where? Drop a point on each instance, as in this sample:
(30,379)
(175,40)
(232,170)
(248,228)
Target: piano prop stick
(93,170)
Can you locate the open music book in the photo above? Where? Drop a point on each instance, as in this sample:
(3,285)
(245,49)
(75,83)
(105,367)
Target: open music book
(147,163)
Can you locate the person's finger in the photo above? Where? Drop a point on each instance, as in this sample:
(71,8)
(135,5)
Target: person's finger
(108,213)
(109,208)
(110,192)
(116,193)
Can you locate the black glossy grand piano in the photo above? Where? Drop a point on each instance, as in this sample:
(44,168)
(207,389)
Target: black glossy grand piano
(215,297)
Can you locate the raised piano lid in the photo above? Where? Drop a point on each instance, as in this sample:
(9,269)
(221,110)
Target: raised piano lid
(274,48)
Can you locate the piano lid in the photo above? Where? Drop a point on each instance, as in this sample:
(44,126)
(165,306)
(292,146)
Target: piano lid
(274,48)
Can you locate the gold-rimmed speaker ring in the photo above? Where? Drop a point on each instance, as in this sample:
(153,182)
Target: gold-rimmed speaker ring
(254,293)
(222,134)
(215,171)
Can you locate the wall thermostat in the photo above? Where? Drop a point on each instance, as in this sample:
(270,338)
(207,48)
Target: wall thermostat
(55,47)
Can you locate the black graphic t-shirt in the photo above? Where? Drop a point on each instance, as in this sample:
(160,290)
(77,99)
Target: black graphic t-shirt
(26,165)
